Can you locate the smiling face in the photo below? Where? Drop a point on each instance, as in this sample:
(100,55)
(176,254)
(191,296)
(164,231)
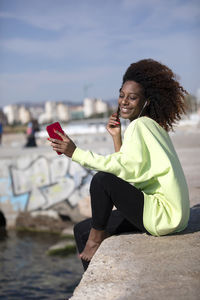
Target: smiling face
(131,100)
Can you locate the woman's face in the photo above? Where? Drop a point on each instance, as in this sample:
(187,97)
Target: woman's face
(131,100)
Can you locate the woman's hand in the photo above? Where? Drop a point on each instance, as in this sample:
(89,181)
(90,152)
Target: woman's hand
(66,146)
(114,126)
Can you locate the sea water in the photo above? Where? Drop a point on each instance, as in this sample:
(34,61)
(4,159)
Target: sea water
(27,272)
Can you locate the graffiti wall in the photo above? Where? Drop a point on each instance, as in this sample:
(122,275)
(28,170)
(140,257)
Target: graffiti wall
(38,183)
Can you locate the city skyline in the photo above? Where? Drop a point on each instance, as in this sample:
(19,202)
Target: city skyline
(66,50)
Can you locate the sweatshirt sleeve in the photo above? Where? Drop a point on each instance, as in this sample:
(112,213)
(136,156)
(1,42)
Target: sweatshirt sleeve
(130,163)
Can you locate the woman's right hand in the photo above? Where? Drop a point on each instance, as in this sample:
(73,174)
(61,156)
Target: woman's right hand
(114,126)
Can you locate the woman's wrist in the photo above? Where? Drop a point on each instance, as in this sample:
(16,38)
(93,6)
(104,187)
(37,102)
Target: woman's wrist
(117,142)
(117,137)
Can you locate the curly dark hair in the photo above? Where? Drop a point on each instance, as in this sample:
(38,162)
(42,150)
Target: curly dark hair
(160,86)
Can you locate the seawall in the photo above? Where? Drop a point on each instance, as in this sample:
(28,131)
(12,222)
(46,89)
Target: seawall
(37,180)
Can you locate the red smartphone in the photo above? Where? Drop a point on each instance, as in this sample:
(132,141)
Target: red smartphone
(118,113)
(50,129)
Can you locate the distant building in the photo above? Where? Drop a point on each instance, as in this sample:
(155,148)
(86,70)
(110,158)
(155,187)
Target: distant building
(94,106)
(88,107)
(49,114)
(24,115)
(53,112)
(36,110)
(76,112)
(63,112)
(101,106)
(11,112)
(198,95)
(17,114)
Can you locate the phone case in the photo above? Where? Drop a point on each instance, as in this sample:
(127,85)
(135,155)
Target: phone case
(50,129)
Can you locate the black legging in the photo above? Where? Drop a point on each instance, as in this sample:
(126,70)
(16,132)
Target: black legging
(107,190)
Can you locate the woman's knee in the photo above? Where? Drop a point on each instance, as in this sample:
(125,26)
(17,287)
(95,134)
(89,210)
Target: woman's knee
(100,178)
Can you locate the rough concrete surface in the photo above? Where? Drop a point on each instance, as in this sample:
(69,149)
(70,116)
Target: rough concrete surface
(140,266)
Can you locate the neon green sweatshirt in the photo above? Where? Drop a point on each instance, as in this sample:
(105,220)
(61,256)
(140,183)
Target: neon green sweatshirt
(147,159)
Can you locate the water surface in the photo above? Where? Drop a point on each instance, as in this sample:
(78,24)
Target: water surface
(26,272)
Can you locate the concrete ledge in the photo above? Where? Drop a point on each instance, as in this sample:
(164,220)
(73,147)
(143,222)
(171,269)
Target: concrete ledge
(138,266)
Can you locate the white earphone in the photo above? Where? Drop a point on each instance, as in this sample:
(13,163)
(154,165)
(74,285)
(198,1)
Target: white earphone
(145,104)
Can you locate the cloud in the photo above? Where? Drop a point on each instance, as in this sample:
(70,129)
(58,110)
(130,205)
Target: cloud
(94,46)
(88,15)
(57,85)
(106,77)
(53,15)
(85,45)
(185,10)
(95,41)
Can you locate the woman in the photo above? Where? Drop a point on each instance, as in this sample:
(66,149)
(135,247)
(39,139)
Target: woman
(143,179)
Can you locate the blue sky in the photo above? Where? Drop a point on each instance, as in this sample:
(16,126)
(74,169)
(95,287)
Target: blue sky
(53,50)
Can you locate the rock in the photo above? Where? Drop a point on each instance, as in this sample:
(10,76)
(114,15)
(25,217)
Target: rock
(64,209)
(49,213)
(68,232)
(40,223)
(63,248)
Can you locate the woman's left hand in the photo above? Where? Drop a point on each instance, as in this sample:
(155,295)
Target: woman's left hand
(66,146)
